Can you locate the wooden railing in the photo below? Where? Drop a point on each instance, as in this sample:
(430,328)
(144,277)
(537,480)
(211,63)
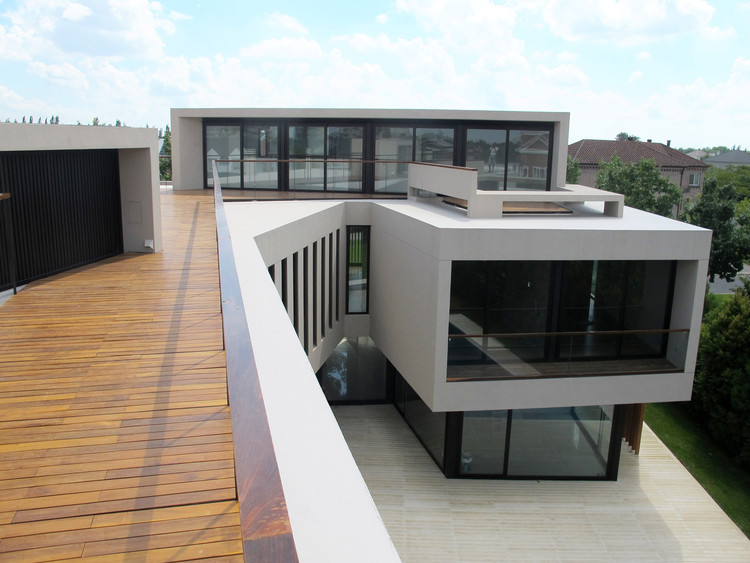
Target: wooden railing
(266,530)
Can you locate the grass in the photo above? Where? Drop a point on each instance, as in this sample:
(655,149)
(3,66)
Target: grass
(715,471)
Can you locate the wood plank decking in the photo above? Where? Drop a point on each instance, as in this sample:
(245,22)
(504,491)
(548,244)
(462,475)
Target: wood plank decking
(115,432)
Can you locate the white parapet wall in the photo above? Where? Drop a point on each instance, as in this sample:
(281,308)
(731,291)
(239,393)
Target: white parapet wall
(332,514)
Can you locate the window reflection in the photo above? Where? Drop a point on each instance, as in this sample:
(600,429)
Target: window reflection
(393,144)
(260,143)
(223,143)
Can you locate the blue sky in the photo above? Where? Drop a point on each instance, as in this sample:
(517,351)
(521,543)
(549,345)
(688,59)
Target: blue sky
(659,69)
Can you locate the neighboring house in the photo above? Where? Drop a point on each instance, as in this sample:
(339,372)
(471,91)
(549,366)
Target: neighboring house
(518,324)
(683,170)
(729,158)
(698,154)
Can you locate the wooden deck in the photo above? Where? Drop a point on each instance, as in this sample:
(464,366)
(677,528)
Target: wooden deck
(115,432)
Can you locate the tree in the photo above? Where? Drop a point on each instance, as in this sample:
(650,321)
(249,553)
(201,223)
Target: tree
(95,122)
(715,209)
(722,382)
(641,183)
(165,157)
(623,136)
(574,171)
(739,176)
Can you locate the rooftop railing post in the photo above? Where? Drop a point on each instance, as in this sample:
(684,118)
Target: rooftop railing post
(8,220)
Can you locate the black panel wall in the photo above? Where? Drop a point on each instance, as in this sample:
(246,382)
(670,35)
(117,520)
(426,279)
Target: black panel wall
(65,209)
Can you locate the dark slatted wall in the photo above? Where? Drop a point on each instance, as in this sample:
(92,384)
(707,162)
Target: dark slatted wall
(65,209)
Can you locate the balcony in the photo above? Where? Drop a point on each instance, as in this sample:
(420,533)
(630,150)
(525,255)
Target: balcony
(564,354)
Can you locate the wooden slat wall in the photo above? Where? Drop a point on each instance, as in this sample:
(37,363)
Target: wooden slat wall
(115,433)
(65,210)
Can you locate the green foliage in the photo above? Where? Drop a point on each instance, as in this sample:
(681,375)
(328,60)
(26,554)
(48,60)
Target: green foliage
(688,440)
(165,157)
(715,209)
(738,176)
(574,171)
(641,183)
(722,381)
(623,136)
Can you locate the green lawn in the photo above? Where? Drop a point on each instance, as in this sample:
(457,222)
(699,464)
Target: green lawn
(725,482)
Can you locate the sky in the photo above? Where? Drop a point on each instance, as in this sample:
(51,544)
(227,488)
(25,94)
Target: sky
(674,70)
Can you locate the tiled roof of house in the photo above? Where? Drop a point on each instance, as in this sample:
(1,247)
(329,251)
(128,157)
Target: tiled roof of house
(593,151)
(735,158)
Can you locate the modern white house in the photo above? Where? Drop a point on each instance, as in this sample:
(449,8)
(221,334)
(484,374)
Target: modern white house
(436,260)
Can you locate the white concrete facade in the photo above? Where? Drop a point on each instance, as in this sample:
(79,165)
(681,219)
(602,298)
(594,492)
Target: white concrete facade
(412,247)
(138,151)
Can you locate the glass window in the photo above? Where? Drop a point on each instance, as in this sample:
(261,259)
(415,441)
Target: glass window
(519,294)
(559,442)
(434,145)
(355,371)
(541,318)
(358,263)
(394,144)
(344,143)
(223,143)
(260,142)
(485,151)
(427,425)
(647,304)
(308,143)
(483,443)
(528,154)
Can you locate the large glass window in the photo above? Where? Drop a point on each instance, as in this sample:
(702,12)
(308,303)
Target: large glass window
(358,264)
(540,318)
(528,157)
(394,144)
(307,143)
(559,442)
(260,145)
(483,443)
(355,371)
(485,151)
(434,145)
(344,144)
(223,143)
(427,425)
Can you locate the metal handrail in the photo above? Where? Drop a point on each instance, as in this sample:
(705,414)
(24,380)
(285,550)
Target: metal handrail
(571,333)
(338,160)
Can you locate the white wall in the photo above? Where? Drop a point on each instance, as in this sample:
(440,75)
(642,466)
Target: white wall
(187,152)
(412,246)
(138,150)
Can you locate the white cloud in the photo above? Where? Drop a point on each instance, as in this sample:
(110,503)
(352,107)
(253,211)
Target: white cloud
(629,23)
(75,12)
(644,56)
(567,57)
(717,34)
(382,18)
(57,29)
(287,48)
(65,75)
(286,22)
(635,76)
(174,15)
